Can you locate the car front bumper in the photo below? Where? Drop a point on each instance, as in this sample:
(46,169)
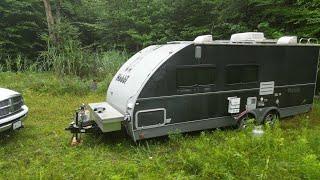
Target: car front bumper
(6,123)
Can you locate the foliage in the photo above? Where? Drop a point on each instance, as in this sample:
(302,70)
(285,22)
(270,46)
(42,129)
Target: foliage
(132,25)
(42,151)
(21,24)
(70,58)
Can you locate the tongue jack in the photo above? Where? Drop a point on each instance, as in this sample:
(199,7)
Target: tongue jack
(81,124)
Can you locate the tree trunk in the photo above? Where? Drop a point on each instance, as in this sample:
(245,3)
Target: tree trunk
(50,19)
(58,10)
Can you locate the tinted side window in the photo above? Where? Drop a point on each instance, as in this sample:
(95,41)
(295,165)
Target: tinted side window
(206,75)
(195,75)
(186,77)
(242,74)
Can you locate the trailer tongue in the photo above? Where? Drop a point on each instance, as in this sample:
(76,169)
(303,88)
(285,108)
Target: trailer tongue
(95,117)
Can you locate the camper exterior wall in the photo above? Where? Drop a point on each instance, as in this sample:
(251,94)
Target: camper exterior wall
(131,77)
(188,94)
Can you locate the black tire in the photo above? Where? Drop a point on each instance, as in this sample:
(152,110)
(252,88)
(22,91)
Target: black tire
(271,118)
(243,121)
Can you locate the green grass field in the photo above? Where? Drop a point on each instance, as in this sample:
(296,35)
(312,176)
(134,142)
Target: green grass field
(42,149)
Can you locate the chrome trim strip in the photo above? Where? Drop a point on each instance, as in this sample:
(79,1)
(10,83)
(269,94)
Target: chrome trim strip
(150,126)
(5,127)
(185,122)
(22,113)
(217,43)
(11,113)
(293,85)
(11,105)
(216,92)
(12,96)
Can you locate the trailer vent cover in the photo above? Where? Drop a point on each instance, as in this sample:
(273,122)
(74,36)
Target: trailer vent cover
(288,40)
(266,88)
(203,39)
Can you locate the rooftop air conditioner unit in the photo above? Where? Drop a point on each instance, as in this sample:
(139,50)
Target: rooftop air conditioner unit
(247,37)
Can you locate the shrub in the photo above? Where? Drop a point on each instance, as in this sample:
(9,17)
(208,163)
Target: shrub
(68,57)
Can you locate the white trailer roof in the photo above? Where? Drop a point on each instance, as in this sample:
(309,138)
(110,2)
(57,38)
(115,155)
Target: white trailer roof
(132,76)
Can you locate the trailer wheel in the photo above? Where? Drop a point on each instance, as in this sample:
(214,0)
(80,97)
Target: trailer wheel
(271,118)
(244,121)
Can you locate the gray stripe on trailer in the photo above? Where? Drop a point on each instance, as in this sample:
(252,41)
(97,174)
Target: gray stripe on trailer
(207,123)
(217,92)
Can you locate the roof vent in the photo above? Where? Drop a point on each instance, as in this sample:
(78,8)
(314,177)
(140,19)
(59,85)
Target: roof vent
(288,40)
(247,37)
(203,39)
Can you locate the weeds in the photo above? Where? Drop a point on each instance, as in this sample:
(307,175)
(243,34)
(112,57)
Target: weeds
(47,83)
(68,58)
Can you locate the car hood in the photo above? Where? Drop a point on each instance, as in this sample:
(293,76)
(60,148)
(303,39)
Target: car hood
(6,93)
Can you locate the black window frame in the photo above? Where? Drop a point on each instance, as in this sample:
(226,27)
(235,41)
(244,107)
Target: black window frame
(241,65)
(196,69)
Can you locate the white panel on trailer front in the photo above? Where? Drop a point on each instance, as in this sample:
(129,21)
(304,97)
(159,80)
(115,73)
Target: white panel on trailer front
(126,84)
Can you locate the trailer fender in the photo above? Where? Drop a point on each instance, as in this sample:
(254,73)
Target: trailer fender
(252,114)
(262,112)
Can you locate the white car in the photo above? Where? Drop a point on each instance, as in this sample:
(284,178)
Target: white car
(12,110)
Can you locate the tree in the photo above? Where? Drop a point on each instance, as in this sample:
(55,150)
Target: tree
(21,24)
(50,19)
(132,25)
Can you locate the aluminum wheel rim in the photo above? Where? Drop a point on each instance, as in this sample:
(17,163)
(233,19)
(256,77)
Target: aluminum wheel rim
(270,118)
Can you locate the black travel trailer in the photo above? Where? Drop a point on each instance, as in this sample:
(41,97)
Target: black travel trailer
(204,84)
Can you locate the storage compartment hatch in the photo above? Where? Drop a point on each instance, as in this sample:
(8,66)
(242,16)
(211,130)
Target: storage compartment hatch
(107,118)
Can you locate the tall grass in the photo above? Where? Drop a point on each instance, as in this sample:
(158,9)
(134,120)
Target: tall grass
(67,56)
(83,63)
(69,61)
(15,64)
(48,83)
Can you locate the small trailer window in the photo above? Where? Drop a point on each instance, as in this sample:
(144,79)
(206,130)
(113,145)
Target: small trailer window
(195,75)
(150,118)
(186,77)
(206,75)
(242,74)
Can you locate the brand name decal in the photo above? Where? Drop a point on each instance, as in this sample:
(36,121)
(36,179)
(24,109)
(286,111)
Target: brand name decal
(122,78)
